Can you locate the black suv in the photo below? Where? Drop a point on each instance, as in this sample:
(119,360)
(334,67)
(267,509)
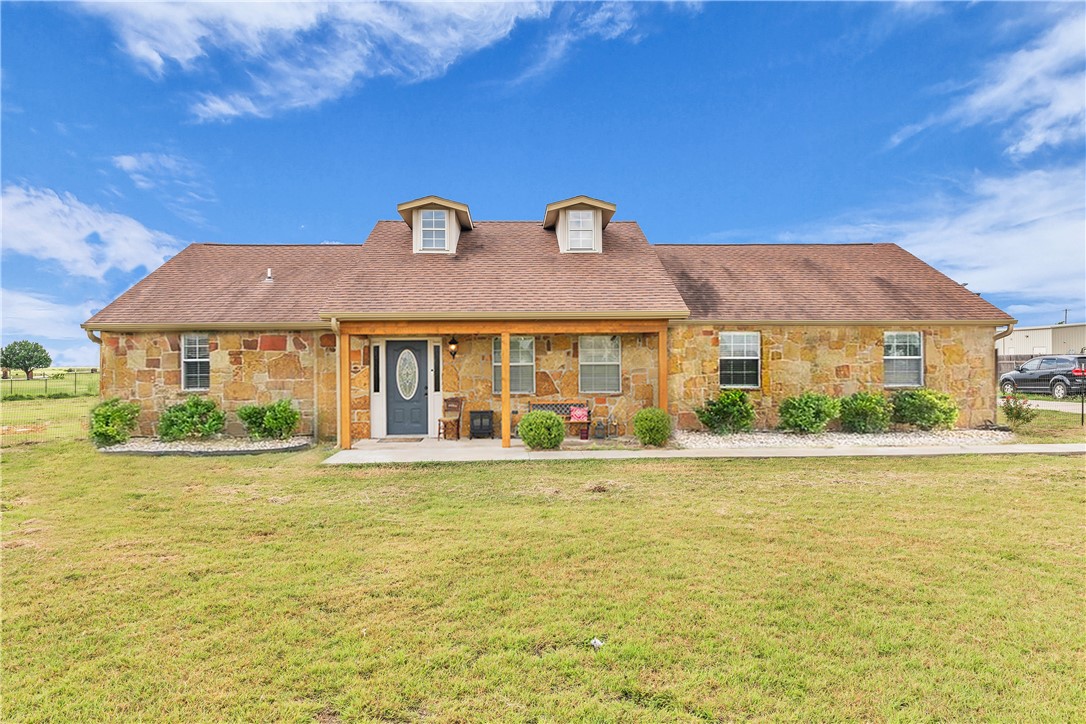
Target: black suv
(1060,374)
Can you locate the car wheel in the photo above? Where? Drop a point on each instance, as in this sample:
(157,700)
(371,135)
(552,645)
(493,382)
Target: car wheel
(1008,388)
(1059,390)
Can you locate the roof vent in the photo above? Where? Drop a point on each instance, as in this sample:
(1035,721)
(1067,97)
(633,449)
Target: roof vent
(269,278)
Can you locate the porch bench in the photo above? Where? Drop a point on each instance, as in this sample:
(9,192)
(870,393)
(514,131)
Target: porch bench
(562,409)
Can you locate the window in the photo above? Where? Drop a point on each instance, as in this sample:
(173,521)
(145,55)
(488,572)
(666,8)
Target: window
(601,364)
(581,230)
(521,365)
(1050,363)
(1032,366)
(902,359)
(741,359)
(433,229)
(195,362)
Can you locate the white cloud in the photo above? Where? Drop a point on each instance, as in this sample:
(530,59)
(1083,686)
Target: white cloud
(299,55)
(85,240)
(607,22)
(1036,91)
(1019,235)
(31,314)
(181,184)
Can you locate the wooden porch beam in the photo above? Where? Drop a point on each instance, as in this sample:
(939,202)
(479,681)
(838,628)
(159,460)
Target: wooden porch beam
(345,390)
(662,364)
(507,407)
(430,328)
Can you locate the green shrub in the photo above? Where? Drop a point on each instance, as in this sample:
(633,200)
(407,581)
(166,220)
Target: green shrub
(195,417)
(113,421)
(60,395)
(925,409)
(652,426)
(808,413)
(866,412)
(1018,411)
(277,420)
(731,411)
(542,430)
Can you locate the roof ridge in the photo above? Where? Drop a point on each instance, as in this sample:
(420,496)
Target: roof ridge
(271,244)
(776,243)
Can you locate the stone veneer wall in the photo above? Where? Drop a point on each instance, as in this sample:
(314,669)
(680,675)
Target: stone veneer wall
(360,387)
(557,378)
(835,360)
(246,368)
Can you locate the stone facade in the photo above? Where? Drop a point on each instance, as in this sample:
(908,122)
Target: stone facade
(246,368)
(557,378)
(834,360)
(261,367)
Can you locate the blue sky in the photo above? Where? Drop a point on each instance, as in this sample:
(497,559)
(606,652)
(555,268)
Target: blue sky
(132,129)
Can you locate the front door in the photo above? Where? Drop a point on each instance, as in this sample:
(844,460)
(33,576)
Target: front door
(407,376)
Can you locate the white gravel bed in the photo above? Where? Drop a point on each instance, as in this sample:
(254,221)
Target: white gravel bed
(687,439)
(218,446)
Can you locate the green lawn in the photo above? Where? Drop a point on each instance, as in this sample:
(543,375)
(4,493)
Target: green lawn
(269,588)
(41,420)
(72,383)
(1050,426)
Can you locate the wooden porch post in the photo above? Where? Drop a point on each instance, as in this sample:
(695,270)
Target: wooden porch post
(345,391)
(661,362)
(507,426)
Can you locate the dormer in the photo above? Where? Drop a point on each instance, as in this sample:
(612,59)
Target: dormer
(579,223)
(435,223)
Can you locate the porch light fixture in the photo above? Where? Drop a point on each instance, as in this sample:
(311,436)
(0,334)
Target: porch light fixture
(453,347)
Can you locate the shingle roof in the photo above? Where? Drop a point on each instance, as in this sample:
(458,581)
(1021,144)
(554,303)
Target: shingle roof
(817,282)
(514,268)
(224,283)
(507,267)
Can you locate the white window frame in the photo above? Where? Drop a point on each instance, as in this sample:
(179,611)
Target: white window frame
(581,215)
(581,364)
(430,224)
(721,357)
(920,357)
(496,377)
(185,359)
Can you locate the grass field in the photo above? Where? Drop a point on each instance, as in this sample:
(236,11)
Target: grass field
(1050,426)
(269,588)
(41,420)
(72,383)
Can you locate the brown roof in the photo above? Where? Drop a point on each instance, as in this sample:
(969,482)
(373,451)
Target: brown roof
(507,267)
(224,283)
(816,282)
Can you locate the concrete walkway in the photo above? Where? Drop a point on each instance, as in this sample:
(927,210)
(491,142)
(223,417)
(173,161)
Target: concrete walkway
(429,450)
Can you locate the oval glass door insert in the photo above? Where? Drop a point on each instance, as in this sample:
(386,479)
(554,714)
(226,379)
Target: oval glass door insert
(407,374)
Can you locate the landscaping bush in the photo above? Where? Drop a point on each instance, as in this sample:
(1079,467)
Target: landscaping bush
(277,420)
(866,412)
(731,411)
(808,413)
(1017,410)
(113,421)
(925,409)
(542,430)
(195,417)
(652,426)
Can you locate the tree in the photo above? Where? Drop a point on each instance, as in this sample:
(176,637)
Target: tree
(26,356)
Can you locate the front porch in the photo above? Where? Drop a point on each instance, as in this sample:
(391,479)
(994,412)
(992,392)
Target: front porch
(491,374)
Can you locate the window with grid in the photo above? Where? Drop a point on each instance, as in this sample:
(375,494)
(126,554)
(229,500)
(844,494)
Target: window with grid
(433,229)
(521,365)
(601,364)
(902,359)
(581,230)
(741,359)
(195,362)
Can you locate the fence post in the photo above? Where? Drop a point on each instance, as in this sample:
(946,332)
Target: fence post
(46,385)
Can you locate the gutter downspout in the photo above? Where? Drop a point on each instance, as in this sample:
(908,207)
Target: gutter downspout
(91,337)
(339,382)
(998,336)
(1006,332)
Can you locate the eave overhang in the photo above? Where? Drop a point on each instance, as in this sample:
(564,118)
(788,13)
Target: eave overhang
(463,215)
(550,216)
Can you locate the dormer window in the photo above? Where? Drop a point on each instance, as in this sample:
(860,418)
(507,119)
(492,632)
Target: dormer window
(434,223)
(581,230)
(578,223)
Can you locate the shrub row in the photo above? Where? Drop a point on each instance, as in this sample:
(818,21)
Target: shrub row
(113,420)
(863,412)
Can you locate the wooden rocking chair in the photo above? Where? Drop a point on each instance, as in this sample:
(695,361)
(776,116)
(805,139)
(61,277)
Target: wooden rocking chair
(448,426)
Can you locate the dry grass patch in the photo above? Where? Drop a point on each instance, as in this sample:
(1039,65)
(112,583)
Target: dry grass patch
(270,588)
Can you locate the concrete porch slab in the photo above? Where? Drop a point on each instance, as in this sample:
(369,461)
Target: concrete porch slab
(369,452)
